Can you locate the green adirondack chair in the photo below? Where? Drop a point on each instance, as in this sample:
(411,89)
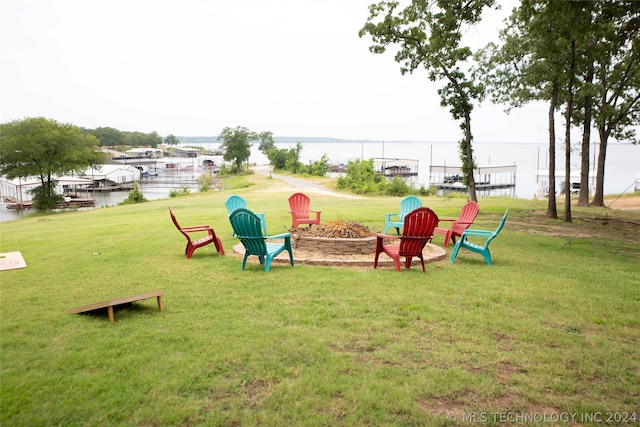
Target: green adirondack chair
(247,227)
(234,202)
(407,205)
(482,249)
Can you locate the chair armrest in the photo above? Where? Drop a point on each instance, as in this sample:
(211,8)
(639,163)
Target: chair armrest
(447,219)
(479,233)
(389,215)
(279,236)
(386,236)
(315,211)
(196,228)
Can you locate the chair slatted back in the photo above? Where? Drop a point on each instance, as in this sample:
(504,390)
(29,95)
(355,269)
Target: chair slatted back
(418,230)
(235,202)
(467,216)
(248,229)
(408,204)
(300,203)
(500,226)
(175,222)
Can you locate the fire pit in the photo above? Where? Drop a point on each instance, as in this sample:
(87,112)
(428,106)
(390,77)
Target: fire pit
(340,243)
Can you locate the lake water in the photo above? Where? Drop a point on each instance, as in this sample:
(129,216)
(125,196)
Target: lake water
(622,164)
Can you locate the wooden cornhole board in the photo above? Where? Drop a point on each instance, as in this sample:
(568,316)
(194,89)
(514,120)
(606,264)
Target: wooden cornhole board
(118,301)
(11,261)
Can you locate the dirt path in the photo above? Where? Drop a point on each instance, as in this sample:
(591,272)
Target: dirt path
(301,185)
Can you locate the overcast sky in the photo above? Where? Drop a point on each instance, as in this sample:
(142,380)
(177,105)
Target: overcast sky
(193,67)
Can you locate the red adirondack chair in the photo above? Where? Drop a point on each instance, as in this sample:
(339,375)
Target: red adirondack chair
(467,216)
(299,204)
(192,245)
(417,231)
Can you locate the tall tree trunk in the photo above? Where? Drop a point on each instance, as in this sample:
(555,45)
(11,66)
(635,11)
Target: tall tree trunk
(567,134)
(598,197)
(469,155)
(583,196)
(552,211)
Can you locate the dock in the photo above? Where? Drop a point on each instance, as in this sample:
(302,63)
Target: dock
(74,203)
(396,167)
(486,177)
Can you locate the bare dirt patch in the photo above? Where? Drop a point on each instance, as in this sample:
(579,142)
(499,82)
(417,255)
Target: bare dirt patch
(626,203)
(622,225)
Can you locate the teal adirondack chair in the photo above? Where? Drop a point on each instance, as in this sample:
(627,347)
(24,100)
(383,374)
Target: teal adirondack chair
(407,205)
(236,202)
(246,226)
(482,249)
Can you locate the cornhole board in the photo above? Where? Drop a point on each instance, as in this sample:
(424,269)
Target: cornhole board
(11,261)
(118,301)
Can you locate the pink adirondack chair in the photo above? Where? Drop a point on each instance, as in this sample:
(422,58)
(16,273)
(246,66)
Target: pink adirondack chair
(417,231)
(299,204)
(467,216)
(192,244)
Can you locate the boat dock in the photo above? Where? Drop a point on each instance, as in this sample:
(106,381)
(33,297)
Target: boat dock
(486,177)
(396,167)
(68,203)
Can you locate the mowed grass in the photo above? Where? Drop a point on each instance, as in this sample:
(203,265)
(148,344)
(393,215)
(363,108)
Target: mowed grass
(551,327)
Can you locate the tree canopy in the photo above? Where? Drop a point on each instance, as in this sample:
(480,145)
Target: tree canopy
(237,144)
(43,148)
(579,56)
(428,34)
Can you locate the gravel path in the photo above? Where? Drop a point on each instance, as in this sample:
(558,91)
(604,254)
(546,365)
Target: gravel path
(301,185)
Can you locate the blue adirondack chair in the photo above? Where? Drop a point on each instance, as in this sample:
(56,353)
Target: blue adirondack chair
(236,202)
(482,249)
(246,226)
(407,205)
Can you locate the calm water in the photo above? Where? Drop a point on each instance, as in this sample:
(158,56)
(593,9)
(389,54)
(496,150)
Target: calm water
(622,164)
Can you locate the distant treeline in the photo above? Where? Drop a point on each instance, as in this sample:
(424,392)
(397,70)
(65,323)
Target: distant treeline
(111,137)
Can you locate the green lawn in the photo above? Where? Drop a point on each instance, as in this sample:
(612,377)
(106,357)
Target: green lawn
(550,328)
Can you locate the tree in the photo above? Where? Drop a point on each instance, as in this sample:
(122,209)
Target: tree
(140,139)
(617,80)
(266,142)
(237,144)
(537,61)
(43,148)
(109,137)
(428,34)
(171,140)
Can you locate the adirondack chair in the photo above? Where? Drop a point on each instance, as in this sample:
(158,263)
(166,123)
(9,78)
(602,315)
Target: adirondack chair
(248,229)
(467,216)
(235,202)
(482,249)
(192,245)
(417,231)
(299,204)
(407,204)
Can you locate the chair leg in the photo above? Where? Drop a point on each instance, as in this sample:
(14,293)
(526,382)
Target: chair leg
(407,262)
(396,261)
(244,260)
(456,248)
(487,256)
(447,237)
(219,246)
